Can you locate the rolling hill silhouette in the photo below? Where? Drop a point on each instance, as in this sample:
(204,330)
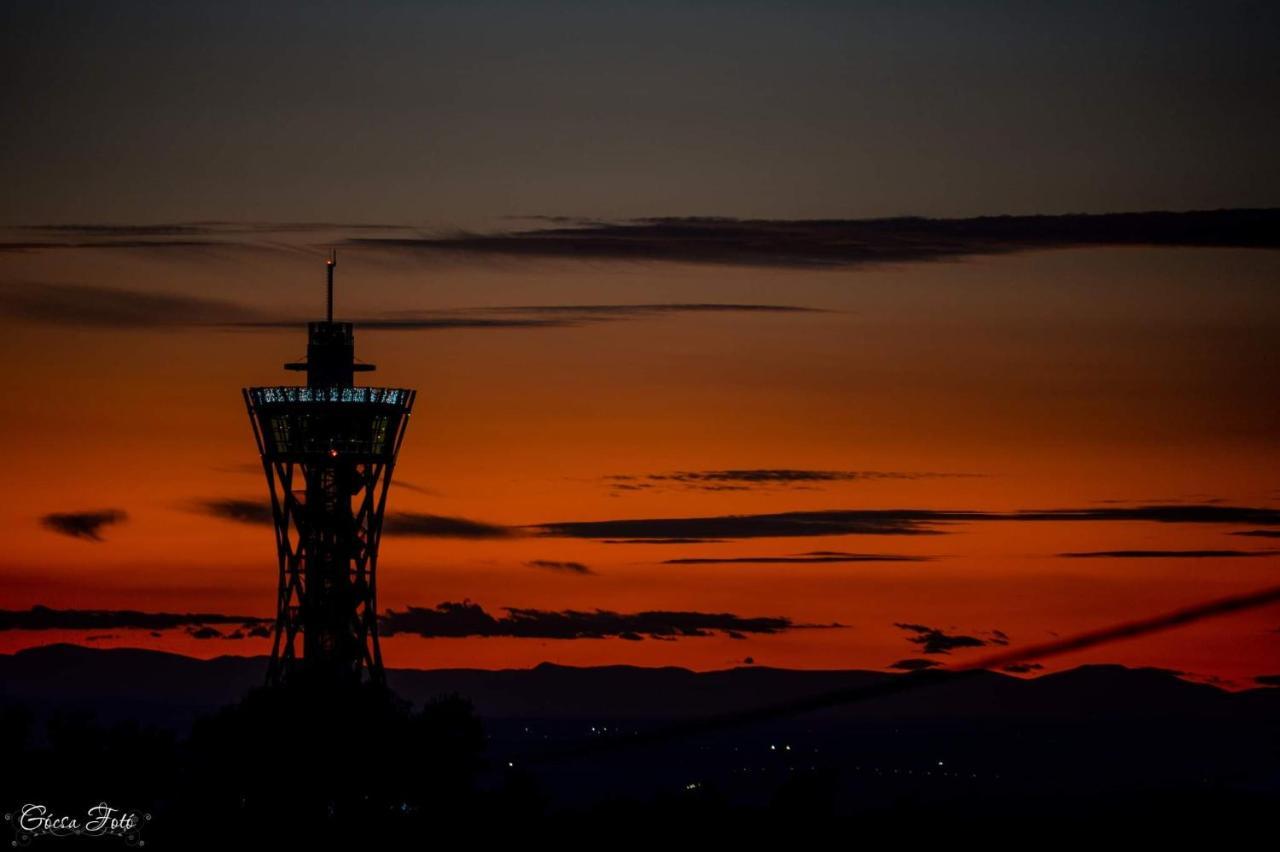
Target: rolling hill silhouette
(172,690)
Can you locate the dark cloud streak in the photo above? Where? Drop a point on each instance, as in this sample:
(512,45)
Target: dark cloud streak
(1165,554)
(817,557)
(833,522)
(934,640)
(914,664)
(562,567)
(108,307)
(889,521)
(240,511)
(761,478)
(448,619)
(395,523)
(83,525)
(92,306)
(46,618)
(465,619)
(442,526)
(834,243)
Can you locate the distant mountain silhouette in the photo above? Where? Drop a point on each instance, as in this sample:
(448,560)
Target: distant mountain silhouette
(563,749)
(173,690)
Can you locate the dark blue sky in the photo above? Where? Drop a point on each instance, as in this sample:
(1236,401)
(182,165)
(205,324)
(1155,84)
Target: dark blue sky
(459,112)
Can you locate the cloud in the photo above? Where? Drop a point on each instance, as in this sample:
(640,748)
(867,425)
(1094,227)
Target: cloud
(888,521)
(760,478)
(662,541)
(1022,668)
(83,525)
(780,525)
(1267,680)
(836,243)
(118,243)
(650,308)
(564,567)
(205,228)
(441,526)
(413,486)
(936,641)
(914,664)
(536,316)
(829,243)
(240,511)
(451,619)
(185,229)
(176,235)
(107,307)
(46,618)
(812,557)
(395,523)
(1188,513)
(1165,554)
(1258,533)
(437,323)
(92,306)
(785,524)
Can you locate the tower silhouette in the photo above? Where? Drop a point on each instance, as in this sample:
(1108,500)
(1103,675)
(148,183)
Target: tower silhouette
(328,449)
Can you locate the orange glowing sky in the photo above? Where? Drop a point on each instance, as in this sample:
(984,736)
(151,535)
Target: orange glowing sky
(992,367)
(1058,379)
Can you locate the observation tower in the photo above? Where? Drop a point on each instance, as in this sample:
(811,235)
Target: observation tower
(328,448)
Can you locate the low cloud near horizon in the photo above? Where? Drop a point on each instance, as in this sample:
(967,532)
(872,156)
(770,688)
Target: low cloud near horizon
(83,525)
(447,619)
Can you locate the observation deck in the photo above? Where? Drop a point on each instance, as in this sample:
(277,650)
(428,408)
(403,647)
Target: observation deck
(317,424)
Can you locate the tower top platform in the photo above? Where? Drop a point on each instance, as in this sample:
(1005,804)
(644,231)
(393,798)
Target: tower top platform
(331,346)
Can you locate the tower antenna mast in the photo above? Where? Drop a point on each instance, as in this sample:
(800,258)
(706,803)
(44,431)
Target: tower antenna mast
(329,267)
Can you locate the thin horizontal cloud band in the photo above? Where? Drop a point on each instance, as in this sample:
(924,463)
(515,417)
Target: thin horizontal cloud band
(804,243)
(445,620)
(93,306)
(46,618)
(815,558)
(889,521)
(777,525)
(850,242)
(1167,554)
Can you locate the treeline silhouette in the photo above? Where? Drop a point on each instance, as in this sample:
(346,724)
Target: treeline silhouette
(302,761)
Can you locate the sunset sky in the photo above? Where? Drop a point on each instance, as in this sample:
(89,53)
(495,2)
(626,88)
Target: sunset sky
(1014,432)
